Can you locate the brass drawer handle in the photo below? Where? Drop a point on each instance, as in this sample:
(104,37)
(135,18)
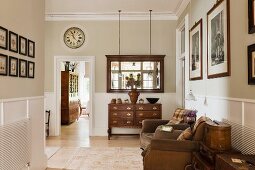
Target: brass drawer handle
(155,114)
(115,108)
(115,114)
(140,108)
(140,114)
(114,122)
(128,122)
(128,108)
(154,108)
(128,114)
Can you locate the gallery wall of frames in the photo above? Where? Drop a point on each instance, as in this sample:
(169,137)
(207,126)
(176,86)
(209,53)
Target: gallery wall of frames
(21,52)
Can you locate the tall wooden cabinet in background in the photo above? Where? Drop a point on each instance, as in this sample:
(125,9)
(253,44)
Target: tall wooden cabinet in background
(69,97)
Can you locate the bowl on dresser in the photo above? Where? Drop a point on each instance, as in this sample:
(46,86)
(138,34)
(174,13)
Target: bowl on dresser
(152,100)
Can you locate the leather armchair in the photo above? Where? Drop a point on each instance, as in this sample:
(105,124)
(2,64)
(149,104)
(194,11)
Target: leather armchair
(165,152)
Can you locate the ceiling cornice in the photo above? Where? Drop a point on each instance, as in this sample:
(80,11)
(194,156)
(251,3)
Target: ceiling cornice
(109,16)
(181,7)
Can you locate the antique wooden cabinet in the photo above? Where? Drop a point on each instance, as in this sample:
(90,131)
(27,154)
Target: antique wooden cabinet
(131,115)
(69,97)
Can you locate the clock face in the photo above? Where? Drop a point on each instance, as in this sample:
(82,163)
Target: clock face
(74,37)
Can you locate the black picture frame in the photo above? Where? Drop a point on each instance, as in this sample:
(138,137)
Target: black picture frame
(3,38)
(31,48)
(13,42)
(22,68)
(196,51)
(13,66)
(218,52)
(3,64)
(251,18)
(22,45)
(30,69)
(251,64)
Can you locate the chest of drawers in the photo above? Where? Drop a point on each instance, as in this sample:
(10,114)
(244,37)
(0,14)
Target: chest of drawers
(131,115)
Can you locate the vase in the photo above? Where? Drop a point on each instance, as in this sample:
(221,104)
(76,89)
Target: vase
(133,94)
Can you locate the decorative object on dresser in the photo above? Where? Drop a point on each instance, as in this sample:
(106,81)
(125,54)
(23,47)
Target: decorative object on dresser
(133,94)
(69,97)
(131,115)
(152,100)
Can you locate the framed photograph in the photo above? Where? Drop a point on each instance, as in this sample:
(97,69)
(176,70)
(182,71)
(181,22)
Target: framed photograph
(31,69)
(22,68)
(3,38)
(251,64)
(31,49)
(13,42)
(251,17)
(13,66)
(218,40)
(195,58)
(3,64)
(22,45)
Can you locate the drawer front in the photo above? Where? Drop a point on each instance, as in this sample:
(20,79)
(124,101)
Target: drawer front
(138,122)
(115,122)
(121,107)
(128,114)
(148,114)
(127,122)
(154,107)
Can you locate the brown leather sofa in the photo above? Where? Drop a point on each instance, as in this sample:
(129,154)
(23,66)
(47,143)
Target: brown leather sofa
(165,152)
(149,126)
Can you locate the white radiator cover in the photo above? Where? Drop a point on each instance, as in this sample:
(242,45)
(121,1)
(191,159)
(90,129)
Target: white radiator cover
(15,145)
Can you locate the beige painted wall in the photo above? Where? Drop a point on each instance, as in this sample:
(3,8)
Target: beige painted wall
(26,19)
(235,86)
(102,39)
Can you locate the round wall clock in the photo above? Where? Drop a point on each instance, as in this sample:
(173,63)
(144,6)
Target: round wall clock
(74,37)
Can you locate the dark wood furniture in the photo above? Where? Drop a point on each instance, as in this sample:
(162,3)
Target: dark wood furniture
(157,72)
(69,97)
(224,162)
(131,115)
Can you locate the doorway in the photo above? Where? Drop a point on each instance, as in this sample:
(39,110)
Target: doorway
(182,61)
(86,80)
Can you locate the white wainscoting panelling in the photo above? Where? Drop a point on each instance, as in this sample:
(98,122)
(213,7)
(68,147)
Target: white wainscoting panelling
(249,116)
(50,104)
(11,113)
(13,110)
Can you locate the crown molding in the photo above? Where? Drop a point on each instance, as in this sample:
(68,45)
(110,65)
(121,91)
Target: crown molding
(65,16)
(181,7)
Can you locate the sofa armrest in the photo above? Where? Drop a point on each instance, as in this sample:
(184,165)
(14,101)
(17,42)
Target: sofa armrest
(150,125)
(174,145)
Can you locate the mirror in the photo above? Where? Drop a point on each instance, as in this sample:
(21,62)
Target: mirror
(142,72)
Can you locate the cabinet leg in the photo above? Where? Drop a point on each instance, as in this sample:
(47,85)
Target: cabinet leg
(109,133)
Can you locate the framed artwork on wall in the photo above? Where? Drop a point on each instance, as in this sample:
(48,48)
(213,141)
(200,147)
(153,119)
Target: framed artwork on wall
(251,17)
(31,69)
(3,64)
(13,66)
(251,64)
(22,68)
(3,38)
(22,45)
(218,40)
(31,49)
(195,58)
(13,42)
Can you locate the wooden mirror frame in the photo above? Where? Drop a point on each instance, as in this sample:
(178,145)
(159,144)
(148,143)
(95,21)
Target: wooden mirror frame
(136,58)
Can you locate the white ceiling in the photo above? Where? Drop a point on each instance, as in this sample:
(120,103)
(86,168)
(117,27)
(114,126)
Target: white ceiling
(110,6)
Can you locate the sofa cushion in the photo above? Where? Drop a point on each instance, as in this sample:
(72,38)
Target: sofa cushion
(178,116)
(185,135)
(198,129)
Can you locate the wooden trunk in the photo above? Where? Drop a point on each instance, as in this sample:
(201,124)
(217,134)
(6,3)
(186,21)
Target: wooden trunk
(218,136)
